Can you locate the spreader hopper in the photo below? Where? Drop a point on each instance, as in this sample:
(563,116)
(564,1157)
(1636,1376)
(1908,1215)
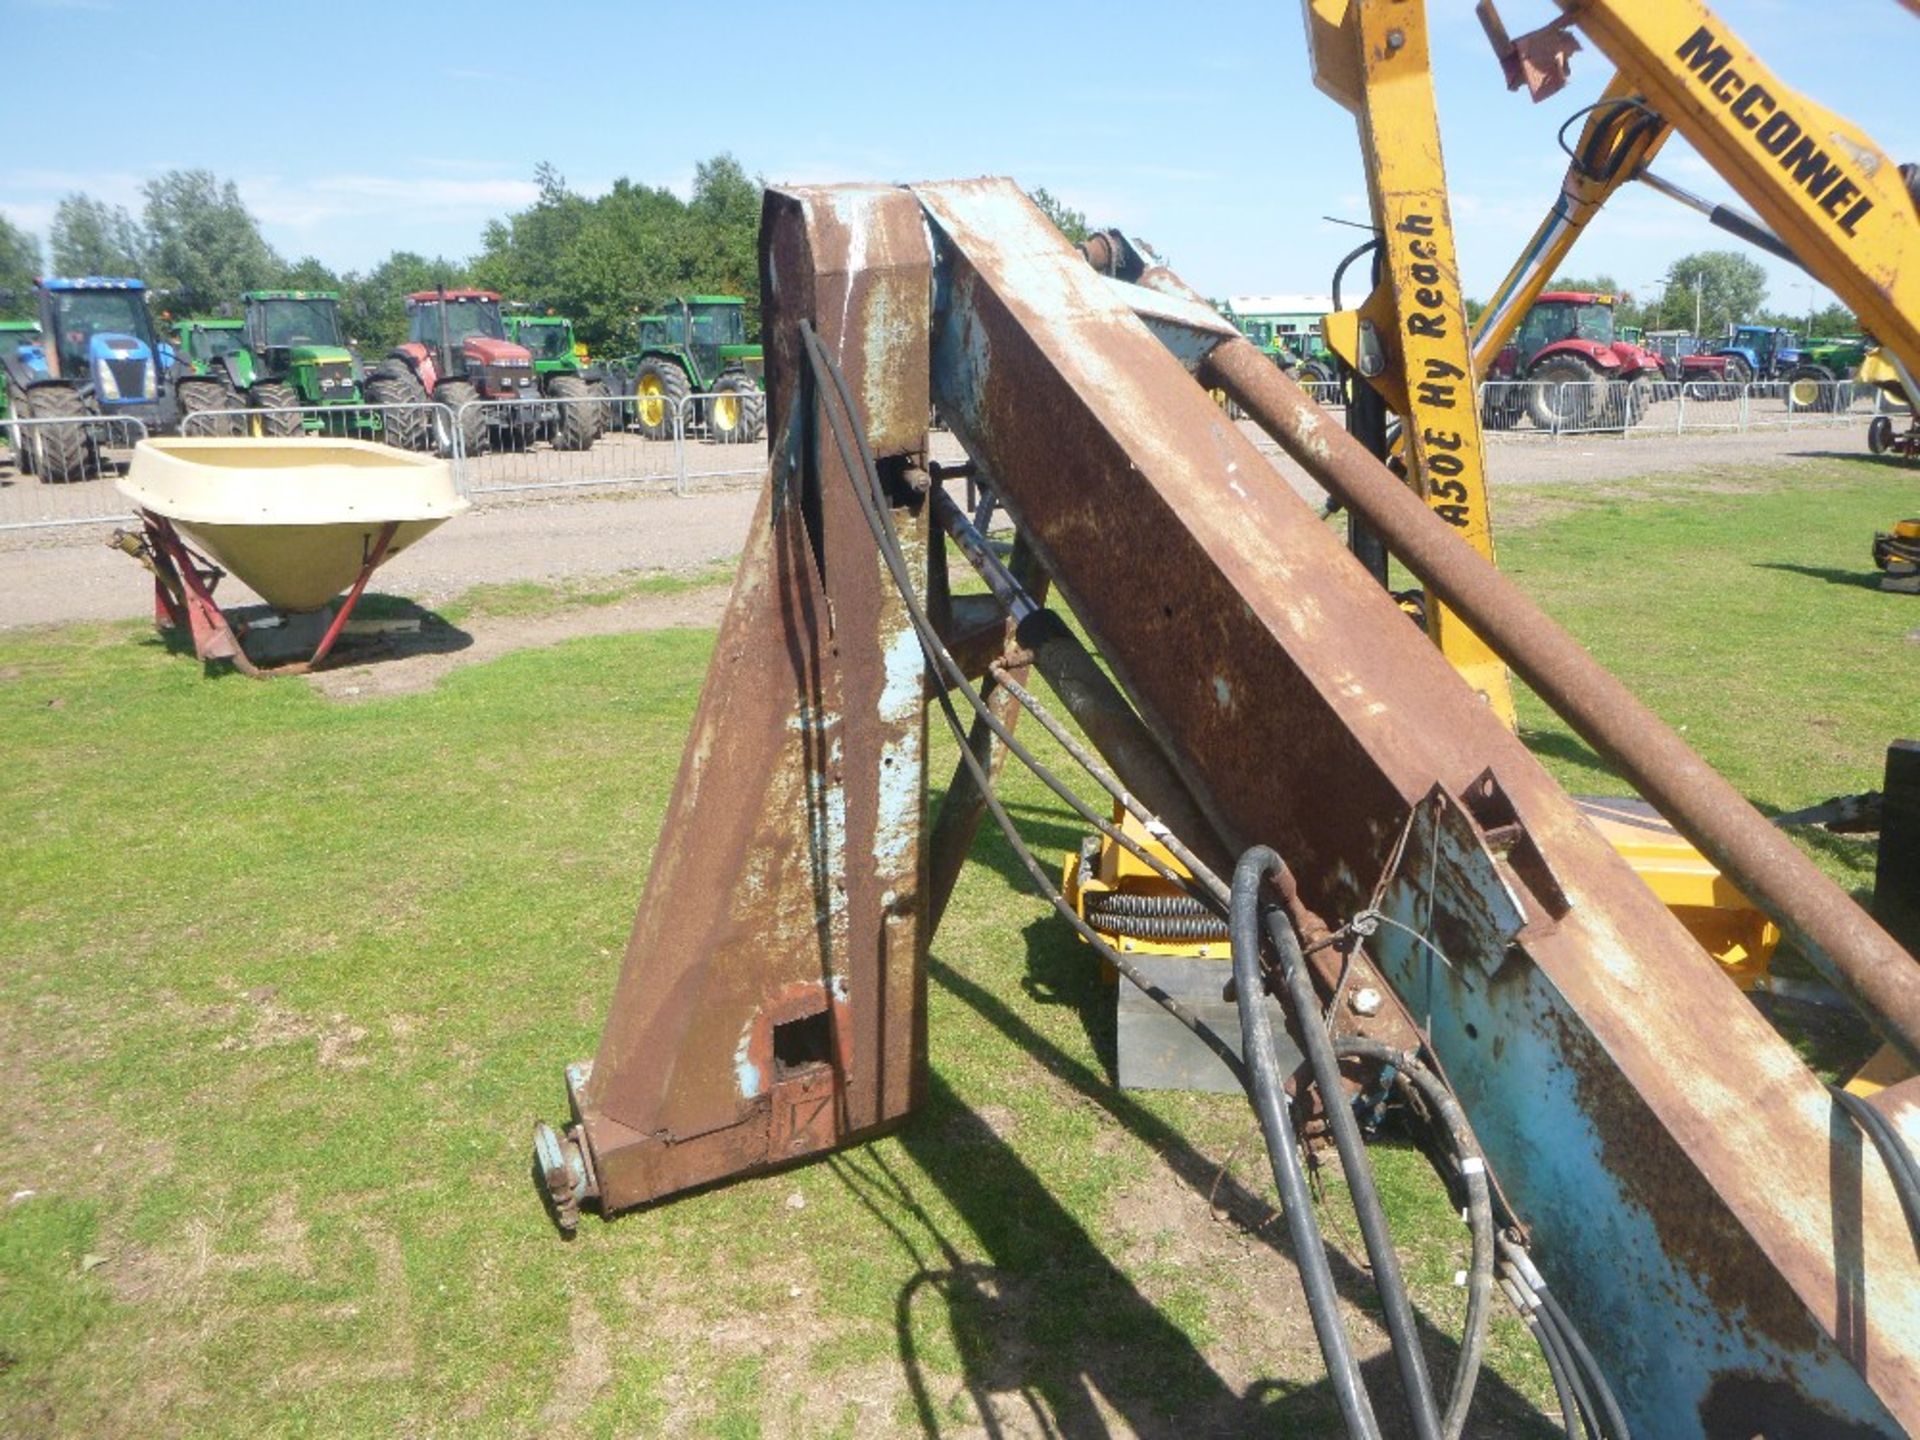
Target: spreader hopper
(297,520)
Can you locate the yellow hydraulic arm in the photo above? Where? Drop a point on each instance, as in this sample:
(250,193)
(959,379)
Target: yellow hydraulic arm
(1409,339)
(1620,137)
(1836,200)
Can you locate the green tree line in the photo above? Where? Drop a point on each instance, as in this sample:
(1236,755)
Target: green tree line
(601,260)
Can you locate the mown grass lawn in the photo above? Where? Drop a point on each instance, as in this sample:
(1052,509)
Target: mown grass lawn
(287,982)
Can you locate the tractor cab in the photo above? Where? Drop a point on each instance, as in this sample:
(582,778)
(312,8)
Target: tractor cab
(204,341)
(711,330)
(293,320)
(547,338)
(295,340)
(459,335)
(1565,316)
(1768,351)
(22,343)
(100,335)
(717,335)
(1578,323)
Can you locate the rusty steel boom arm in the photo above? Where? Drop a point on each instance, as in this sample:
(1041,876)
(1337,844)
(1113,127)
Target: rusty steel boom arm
(1734,1251)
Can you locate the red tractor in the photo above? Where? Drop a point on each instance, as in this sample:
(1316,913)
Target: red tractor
(458,352)
(1578,373)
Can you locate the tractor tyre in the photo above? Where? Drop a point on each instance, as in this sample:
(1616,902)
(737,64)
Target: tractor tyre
(1314,376)
(1880,434)
(469,425)
(577,423)
(1501,408)
(738,411)
(659,387)
(403,427)
(1812,387)
(603,412)
(199,397)
(1561,394)
(1640,394)
(1739,373)
(271,397)
(60,452)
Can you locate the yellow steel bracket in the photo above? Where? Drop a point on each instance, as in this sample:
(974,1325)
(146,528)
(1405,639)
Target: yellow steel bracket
(1816,179)
(1372,57)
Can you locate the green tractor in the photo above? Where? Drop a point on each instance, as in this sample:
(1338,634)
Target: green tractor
(1287,328)
(295,359)
(562,376)
(697,346)
(204,339)
(1823,377)
(20,338)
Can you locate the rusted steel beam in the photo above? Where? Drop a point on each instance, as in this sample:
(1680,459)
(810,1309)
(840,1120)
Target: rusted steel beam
(1136,757)
(958,820)
(1826,925)
(1727,1247)
(772,1000)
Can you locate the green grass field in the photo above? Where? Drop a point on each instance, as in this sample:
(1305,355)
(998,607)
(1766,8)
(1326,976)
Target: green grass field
(288,981)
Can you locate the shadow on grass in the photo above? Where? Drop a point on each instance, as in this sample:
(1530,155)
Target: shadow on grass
(1047,1321)
(383,628)
(1858,457)
(1565,746)
(1862,579)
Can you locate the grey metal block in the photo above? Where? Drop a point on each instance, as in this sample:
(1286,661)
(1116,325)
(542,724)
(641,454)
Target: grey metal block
(1157,1052)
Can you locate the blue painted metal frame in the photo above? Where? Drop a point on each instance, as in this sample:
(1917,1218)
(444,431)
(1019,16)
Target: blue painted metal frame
(1735,1259)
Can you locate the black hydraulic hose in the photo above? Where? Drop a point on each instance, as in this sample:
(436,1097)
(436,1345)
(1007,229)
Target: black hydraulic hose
(1270,1103)
(1901,1169)
(867,493)
(859,462)
(1410,1072)
(1589,1383)
(1570,1422)
(1398,1310)
(1576,1382)
(1340,270)
(1615,1421)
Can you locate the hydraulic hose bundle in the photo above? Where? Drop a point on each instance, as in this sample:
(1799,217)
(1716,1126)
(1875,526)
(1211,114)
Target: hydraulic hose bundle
(1265,950)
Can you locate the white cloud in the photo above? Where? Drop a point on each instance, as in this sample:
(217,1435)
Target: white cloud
(352,219)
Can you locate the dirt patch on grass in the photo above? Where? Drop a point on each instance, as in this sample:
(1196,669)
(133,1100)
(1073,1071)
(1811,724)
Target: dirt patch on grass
(415,661)
(586,1370)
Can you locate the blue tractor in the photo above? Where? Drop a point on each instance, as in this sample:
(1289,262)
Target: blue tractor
(1759,352)
(99,357)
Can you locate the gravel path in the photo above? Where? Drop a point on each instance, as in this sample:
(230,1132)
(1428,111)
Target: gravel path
(49,576)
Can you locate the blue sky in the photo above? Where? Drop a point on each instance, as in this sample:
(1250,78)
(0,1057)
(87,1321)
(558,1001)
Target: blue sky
(410,123)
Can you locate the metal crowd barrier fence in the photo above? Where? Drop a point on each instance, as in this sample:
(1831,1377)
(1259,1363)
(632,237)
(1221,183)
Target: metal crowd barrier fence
(1647,406)
(60,470)
(419,425)
(724,436)
(590,441)
(1328,394)
(567,443)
